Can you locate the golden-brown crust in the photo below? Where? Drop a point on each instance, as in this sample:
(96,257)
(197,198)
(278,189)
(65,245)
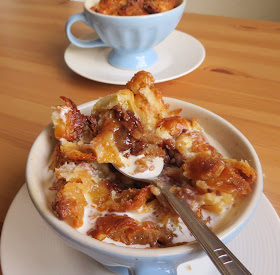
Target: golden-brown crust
(152,6)
(140,80)
(57,158)
(104,145)
(69,204)
(229,176)
(129,231)
(128,200)
(58,184)
(77,151)
(174,125)
(243,169)
(203,166)
(73,126)
(199,142)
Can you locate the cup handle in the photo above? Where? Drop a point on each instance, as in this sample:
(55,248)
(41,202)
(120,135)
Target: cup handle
(78,42)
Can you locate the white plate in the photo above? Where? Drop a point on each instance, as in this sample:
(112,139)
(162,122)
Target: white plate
(29,246)
(178,54)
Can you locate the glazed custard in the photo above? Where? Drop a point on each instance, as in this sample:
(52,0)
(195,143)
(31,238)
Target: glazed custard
(97,200)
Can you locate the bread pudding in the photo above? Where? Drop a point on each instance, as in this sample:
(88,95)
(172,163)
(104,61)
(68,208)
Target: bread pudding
(133,7)
(97,200)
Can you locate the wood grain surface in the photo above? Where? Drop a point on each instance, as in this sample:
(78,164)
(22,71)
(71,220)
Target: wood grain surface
(239,80)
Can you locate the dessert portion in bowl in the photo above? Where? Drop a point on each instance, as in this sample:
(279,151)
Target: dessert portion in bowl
(92,196)
(133,7)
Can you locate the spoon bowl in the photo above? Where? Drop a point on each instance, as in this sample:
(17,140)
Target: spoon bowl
(130,168)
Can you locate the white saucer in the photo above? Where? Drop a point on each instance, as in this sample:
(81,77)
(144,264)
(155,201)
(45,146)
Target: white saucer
(30,247)
(178,54)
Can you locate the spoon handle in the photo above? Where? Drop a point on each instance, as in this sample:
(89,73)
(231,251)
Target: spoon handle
(220,255)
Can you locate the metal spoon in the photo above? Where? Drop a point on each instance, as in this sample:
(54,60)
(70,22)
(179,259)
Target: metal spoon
(221,256)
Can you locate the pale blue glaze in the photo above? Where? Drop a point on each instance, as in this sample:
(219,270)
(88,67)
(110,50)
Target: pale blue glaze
(127,264)
(131,37)
(147,268)
(78,42)
(132,61)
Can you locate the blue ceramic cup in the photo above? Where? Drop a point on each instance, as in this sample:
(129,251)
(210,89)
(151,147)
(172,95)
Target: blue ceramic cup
(131,37)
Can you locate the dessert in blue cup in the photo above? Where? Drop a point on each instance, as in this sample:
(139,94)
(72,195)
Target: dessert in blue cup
(132,38)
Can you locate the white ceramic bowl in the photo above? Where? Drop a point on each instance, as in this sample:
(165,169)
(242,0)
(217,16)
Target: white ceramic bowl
(225,137)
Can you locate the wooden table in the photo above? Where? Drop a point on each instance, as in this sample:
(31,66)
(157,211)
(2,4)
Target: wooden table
(239,80)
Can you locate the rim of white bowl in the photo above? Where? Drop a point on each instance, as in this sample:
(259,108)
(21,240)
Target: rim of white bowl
(72,234)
